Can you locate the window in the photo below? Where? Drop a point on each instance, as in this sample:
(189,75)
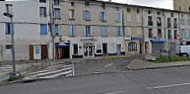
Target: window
(58,31)
(149,12)
(103,16)
(75,49)
(169,34)
(159,23)
(169,22)
(86,15)
(43,29)
(72,31)
(175,34)
(56,2)
(117,8)
(57,13)
(104,32)
(132,46)
(172,15)
(158,13)
(8,47)
(8,29)
(103,5)
(88,31)
(119,32)
(159,33)
(42,1)
(128,9)
(150,23)
(43,12)
(175,23)
(87,3)
(188,22)
(118,17)
(72,4)
(182,21)
(138,11)
(150,35)
(72,14)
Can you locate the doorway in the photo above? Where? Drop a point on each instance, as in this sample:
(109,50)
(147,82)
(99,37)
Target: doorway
(88,51)
(118,49)
(105,48)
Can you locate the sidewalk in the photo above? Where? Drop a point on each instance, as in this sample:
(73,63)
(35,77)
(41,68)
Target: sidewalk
(142,64)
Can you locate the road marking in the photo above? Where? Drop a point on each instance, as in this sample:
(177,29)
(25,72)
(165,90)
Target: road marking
(116,92)
(168,86)
(108,65)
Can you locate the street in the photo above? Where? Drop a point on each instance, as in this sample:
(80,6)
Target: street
(156,81)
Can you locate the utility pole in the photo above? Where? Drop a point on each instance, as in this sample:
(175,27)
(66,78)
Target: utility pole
(8,14)
(52,23)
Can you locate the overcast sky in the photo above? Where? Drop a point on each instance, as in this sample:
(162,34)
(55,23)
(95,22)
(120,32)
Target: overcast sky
(153,3)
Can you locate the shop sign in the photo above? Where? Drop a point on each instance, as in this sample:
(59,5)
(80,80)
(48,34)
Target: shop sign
(88,40)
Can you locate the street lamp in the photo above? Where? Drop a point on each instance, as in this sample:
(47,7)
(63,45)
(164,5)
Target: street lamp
(9,15)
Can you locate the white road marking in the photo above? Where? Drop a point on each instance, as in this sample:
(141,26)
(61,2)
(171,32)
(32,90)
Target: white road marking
(116,92)
(168,86)
(108,65)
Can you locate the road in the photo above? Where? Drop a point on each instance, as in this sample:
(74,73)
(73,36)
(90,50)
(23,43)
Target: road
(156,81)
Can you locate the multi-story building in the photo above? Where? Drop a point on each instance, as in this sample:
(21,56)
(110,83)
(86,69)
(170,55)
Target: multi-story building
(92,28)
(31,25)
(182,5)
(48,29)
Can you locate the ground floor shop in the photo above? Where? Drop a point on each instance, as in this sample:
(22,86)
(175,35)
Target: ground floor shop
(91,47)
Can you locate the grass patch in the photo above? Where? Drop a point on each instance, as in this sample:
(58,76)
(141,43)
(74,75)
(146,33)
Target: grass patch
(14,78)
(171,59)
(113,57)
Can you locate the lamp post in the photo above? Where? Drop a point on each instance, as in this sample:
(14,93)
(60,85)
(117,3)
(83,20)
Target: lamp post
(9,15)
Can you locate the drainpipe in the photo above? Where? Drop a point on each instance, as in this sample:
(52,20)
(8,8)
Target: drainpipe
(143,37)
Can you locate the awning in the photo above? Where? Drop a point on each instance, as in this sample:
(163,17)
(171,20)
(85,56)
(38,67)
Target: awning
(158,40)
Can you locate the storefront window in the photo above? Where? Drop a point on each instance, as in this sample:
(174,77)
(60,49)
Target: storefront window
(132,46)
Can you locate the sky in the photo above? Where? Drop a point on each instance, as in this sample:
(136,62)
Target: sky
(168,4)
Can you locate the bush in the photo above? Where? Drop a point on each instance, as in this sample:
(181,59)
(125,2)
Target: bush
(13,78)
(171,59)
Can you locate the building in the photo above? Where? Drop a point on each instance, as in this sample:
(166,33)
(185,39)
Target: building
(31,25)
(58,29)
(92,28)
(182,5)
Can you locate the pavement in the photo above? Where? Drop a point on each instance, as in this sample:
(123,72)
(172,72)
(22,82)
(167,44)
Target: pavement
(142,64)
(173,80)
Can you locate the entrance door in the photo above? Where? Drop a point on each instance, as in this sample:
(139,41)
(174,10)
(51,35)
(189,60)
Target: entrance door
(118,49)
(88,51)
(66,52)
(37,52)
(31,51)
(105,48)
(44,52)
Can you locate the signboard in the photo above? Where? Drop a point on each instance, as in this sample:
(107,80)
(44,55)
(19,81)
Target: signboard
(88,40)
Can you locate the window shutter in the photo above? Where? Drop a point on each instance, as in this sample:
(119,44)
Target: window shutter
(70,31)
(84,31)
(100,16)
(105,16)
(7,29)
(92,31)
(53,30)
(59,31)
(74,28)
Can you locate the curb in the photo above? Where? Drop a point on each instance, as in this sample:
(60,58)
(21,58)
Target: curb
(172,66)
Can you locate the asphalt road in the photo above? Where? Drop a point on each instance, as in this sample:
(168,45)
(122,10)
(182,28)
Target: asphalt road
(156,81)
(101,66)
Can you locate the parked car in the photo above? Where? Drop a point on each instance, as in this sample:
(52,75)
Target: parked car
(183,49)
